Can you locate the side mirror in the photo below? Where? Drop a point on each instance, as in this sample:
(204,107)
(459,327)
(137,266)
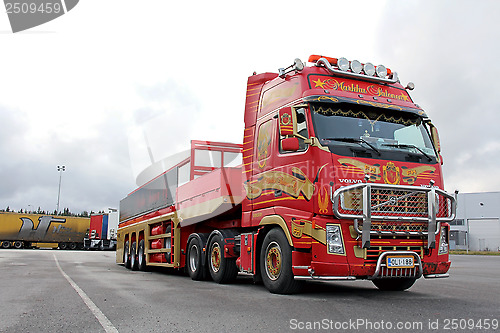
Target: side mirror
(435,141)
(435,138)
(290,144)
(287,122)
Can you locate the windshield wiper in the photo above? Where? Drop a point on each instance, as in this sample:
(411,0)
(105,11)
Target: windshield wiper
(402,145)
(354,140)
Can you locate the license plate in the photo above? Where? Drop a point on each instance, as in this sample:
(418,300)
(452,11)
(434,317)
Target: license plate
(400,262)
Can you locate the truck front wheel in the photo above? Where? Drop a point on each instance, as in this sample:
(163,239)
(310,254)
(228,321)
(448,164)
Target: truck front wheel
(222,270)
(276,264)
(395,284)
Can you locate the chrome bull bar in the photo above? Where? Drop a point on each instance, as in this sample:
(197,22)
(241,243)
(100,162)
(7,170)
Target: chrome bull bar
(382,271)
(388,203)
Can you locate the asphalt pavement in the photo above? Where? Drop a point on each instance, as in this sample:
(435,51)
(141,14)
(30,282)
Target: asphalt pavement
(81,291)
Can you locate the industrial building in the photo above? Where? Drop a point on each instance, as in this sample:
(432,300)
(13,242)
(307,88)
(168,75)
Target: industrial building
(477,224)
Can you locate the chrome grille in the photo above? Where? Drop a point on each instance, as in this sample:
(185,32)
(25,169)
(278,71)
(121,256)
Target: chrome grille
(399,227)
(394,209)
(374,252)
(393,202)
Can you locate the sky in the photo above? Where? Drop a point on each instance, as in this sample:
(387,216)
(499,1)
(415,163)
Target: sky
(94,88)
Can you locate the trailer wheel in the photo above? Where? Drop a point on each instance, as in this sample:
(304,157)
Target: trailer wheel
(5,244)
(73,246)
(276,264)
(126,256)
(133,256)
(396,284)
(63,246)
(18,245)
(194,262)
(222,270)
(141,256)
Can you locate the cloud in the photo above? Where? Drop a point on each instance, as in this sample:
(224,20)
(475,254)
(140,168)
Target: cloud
(107,99)
(446,48)
(97,166)
(164,124)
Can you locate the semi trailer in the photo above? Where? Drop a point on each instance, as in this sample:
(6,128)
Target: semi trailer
(340,178)
(18,230)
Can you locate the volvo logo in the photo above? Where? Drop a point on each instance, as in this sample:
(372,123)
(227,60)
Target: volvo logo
(393,200)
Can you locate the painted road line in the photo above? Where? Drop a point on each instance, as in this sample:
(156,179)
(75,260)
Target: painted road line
(103,320)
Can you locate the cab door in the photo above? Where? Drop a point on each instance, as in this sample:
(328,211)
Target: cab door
(294,166)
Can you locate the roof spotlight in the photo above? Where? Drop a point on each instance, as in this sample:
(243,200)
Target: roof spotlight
(343,64)
(356,66)
(381,71)
(369,69)
(410,86)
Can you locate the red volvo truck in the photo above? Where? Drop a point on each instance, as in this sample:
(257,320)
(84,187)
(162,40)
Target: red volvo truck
(340,179)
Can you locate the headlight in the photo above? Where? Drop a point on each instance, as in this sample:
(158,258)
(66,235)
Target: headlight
(369,69)
(443,241)
(334,240)
(343,64)
(356,66)
(381,71)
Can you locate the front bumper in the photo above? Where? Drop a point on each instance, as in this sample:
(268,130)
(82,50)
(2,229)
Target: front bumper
(346,272)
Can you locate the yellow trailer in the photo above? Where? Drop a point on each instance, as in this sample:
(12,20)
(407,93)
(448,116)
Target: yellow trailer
(30,230)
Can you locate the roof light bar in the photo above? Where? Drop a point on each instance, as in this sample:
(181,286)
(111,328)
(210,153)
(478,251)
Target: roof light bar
(367,71)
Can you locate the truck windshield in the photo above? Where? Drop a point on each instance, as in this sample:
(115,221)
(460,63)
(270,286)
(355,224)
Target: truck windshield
(354,130)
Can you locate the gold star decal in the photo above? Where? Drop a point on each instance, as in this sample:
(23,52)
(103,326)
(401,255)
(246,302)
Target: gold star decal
(319,83)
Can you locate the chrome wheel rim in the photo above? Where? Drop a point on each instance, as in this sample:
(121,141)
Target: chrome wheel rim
(273,261)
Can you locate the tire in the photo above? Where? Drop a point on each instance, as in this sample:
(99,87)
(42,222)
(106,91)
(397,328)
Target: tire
(141,256)
(63,246)
(222,270)
(126,256)
(168,245)
(18,245)
(133,256)
(396,284)
(194,261)
(73,246)
(5,244)
(276,264)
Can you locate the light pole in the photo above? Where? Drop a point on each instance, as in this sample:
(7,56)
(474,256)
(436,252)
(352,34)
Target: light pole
(60,169)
